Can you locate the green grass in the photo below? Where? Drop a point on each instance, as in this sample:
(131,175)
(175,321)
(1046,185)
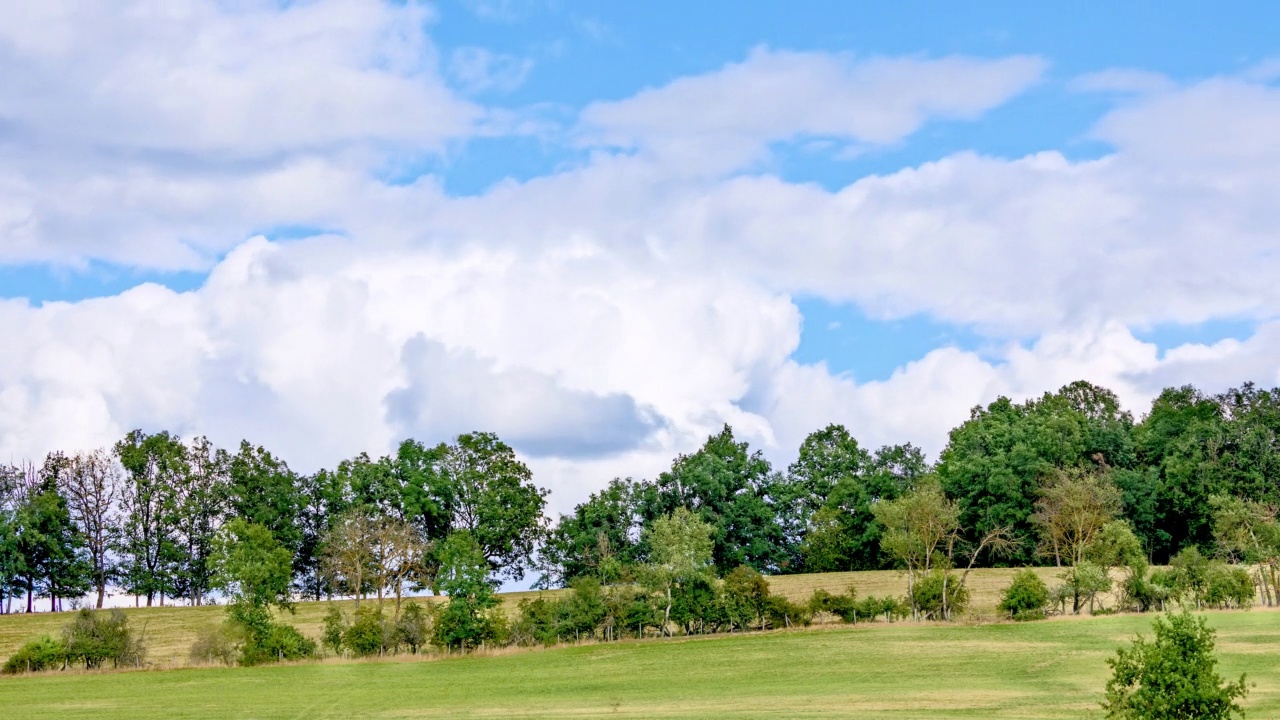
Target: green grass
(1050,669)
(170,631)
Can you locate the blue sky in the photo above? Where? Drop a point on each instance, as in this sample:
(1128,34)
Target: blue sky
(605,229)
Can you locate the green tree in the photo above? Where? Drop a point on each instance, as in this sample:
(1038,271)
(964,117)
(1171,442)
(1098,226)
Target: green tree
(680,557)
(996,462)
(251,567)
(464,576)
(746,596)
(1172,676)
(53,563)
(153,465)
(264,491)
(844,535)
(729,487)
(201,496)
(597,539)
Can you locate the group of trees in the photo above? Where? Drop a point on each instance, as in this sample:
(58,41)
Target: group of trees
(146,517)
(1067,479)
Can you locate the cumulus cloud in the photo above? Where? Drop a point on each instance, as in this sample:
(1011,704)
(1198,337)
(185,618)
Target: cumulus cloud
(611,314)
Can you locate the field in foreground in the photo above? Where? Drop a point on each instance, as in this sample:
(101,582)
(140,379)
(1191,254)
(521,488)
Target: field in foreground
(1050,669)
(170,631)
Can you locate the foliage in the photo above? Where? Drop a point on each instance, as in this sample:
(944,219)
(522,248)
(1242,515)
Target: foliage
(746,596)
(94,638)
(1172,676)
(251,567)
(367,634)
(43,653)
(729,488)
(939,593)
(217,644)
(1026,597)
(413,627)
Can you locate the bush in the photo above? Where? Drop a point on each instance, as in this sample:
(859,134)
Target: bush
(95,638)
(1227,586)
(538,622)
(264,640)
(781,612)
(413,627)
(335,627)
(1026,597)
(927,595)
(746,594)
(218,644)
(844,606)
(367,634)
(43,653)
(1173,676)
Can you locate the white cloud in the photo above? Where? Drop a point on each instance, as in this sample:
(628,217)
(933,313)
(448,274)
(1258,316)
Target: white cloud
(1123,80)
(477,70)
(720,120)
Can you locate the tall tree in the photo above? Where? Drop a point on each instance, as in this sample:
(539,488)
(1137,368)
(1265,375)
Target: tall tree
(54,561)
(1073,508)
(730,488)
(601,535)
(494,500)
(92,486)
(154,465)
(201,496)
(996,462)
(264,491)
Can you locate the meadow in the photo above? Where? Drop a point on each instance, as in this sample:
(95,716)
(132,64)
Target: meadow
(170,631)
(1048,669)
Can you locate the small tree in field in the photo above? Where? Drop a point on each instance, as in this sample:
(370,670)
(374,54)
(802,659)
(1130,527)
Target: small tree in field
(1172,677)
(1026,597)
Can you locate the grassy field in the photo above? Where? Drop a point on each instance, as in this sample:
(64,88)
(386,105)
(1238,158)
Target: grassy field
(170,631)
(1049,669)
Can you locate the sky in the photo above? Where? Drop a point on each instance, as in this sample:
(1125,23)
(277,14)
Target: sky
(604,230)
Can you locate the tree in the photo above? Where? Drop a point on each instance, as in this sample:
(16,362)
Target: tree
(153,466)
(746,596)
(600,536)
(464,577)
(52,550)
(680,554)
(477,485)
(348,560)
(922,530)
(827,457)
(1073,508)
(1247,531)
(397,556)
(844,534)
(200,500)
(251,566)
(1173,676)
(264,491)
(730,488)
(92,487)
(995,462)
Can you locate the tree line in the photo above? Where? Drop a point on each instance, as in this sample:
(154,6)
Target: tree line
(1053,480)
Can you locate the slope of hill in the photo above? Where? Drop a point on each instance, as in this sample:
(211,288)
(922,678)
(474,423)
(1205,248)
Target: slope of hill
(1049,669)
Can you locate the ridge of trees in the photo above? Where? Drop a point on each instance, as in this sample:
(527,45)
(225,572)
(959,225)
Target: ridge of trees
(1068,479)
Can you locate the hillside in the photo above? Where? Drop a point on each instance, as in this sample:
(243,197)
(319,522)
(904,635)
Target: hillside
(170,631)
(1049,669)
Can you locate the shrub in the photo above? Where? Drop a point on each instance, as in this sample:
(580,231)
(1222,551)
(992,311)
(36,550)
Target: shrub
(218,644)
(367,635)
(781,612)
(746,594)
(1173,676)
(1026,597)
(538,622)
(265,640)
(335,627)
(95,638)
(584,608)
(927,595)
(1227,586)
(43,653)
(843,606)
(413,627)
